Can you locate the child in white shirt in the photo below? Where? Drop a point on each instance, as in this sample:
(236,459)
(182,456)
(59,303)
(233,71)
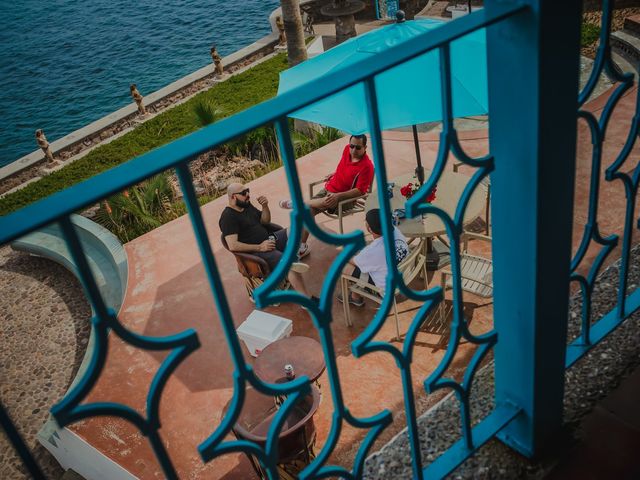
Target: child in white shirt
(371,261)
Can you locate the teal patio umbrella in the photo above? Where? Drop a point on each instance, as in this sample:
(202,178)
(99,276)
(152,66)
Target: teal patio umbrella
(408,94)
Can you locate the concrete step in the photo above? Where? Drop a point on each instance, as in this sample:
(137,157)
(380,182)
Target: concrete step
(627,45)
(624,65)
(632,24)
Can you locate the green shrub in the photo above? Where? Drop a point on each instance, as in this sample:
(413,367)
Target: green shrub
(589,34)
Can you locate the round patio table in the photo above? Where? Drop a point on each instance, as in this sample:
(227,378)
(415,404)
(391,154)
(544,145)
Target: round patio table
(450,188)
(303,353)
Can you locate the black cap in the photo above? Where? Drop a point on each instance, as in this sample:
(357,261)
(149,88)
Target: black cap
(400,16)
(373,220)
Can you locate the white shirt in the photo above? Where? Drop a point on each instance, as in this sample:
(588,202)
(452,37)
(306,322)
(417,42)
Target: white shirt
(372,258)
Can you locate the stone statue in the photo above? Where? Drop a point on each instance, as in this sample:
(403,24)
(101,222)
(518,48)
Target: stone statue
(44,145)
(217,60)
(137,97)
(280,24)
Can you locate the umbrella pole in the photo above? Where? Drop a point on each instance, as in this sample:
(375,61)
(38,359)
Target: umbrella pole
(419,169)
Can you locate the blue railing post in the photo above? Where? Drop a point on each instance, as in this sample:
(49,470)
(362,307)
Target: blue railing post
(533,88)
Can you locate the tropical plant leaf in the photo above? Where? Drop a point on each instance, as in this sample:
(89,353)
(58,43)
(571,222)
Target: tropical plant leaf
(207,112)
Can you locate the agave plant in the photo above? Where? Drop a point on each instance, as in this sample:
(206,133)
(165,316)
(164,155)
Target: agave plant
(207,112)
(138,210)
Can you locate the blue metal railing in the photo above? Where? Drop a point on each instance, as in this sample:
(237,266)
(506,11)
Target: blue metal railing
(591,334)
(524,161)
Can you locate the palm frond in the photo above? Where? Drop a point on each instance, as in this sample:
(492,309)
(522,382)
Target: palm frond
(207,112)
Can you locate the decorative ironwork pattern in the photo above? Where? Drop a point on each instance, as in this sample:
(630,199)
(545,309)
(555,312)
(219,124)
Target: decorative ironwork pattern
(177,155)
(591,334)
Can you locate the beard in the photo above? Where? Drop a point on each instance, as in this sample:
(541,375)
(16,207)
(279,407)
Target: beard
(243,204)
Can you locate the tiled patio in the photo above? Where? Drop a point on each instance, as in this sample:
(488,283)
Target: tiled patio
(168,293)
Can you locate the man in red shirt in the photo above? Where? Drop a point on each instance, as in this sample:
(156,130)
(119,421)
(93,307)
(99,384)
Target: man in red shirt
(352,178)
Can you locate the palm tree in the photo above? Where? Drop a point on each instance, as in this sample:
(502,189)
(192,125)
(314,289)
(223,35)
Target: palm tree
(296,49)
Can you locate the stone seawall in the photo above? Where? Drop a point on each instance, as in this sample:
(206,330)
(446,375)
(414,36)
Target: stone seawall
(67,149)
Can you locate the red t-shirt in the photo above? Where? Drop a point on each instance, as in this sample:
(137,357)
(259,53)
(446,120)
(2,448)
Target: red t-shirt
(348,172)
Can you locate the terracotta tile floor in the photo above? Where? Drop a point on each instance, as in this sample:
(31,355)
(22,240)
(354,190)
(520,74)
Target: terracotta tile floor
(168,293)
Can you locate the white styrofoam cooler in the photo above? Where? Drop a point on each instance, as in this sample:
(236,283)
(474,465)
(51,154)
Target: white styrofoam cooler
(262,328)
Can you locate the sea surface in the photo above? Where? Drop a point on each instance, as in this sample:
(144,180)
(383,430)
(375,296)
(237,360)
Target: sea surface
(66,63)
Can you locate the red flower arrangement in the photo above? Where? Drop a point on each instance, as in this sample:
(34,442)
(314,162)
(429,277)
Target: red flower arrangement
(411,188)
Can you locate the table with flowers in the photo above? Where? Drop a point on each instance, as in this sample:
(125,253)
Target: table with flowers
(447,195)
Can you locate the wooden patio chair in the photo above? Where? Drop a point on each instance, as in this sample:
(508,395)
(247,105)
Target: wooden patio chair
(477,278)
(486,184)
(254,269)
(344,207)
(438,323)
(476,272)
(409,268)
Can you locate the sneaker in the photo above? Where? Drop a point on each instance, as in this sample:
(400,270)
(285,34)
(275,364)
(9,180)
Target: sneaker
(286,204)
(299,267)
(357,303)
(303,251)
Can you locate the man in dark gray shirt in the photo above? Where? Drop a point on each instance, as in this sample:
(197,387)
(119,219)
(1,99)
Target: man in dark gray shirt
(244,229)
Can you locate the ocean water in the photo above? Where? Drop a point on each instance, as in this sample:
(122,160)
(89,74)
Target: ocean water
(66,63)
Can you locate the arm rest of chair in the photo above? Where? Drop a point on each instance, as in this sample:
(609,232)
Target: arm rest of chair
(314,184)
(348,201)
(443,279)
(466,236)
(245,261)
(362,287)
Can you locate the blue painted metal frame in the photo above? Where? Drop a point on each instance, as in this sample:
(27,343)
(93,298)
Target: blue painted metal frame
(625,305)
(533,138)
(528,409)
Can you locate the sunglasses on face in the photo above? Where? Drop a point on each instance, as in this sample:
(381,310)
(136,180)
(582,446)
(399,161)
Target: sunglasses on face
(357,147)
(243,192)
